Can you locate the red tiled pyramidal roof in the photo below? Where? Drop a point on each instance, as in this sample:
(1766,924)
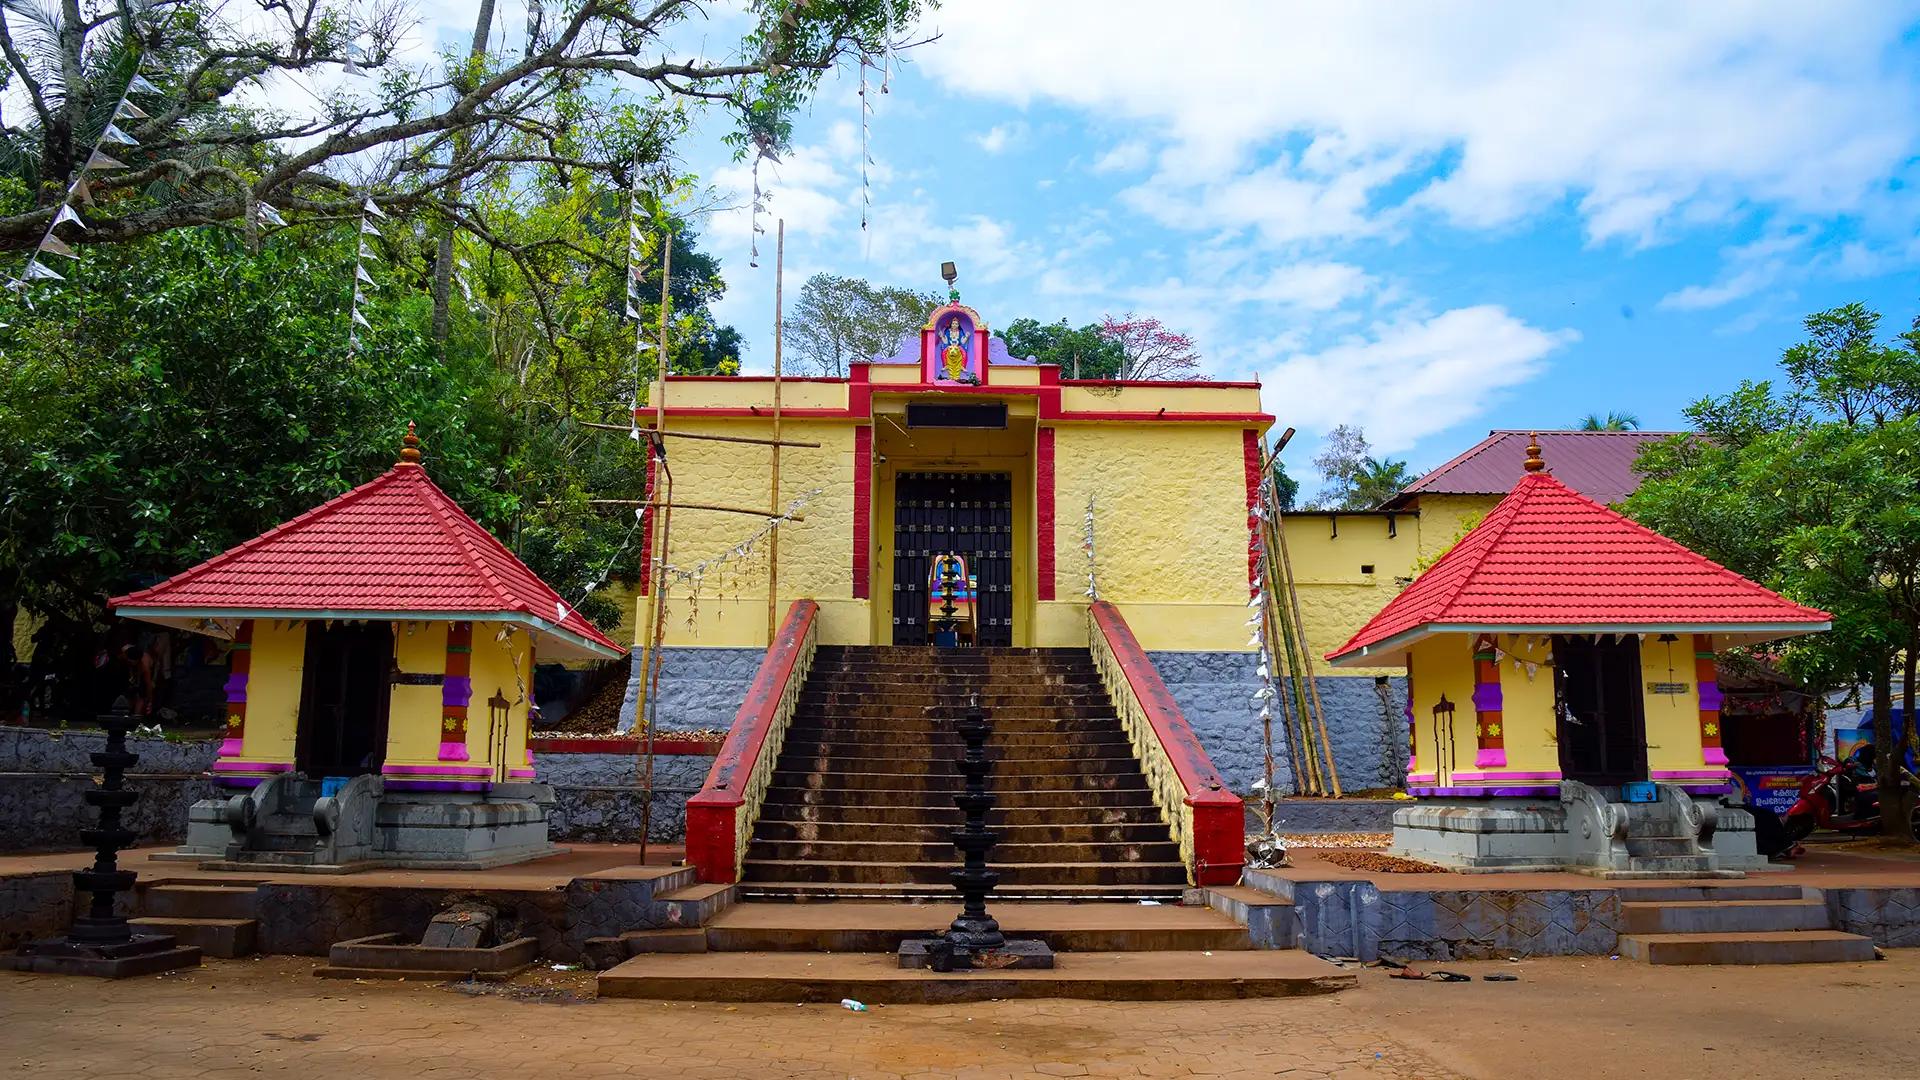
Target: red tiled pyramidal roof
(395,546)
(1550,559)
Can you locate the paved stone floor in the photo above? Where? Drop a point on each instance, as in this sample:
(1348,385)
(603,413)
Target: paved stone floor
(1565,1018)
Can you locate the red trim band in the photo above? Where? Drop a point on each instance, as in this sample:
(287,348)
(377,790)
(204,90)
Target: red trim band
(1044,509)
(862,509)
(1251,449)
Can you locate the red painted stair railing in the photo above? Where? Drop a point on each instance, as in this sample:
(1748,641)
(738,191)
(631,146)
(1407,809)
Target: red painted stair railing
(1206,818)
(721,817)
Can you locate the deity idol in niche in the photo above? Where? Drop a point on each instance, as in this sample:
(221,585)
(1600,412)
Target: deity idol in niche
(952,340)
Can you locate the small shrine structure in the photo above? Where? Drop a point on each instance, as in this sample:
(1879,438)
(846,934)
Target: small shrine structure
(381,672)
(1563,703)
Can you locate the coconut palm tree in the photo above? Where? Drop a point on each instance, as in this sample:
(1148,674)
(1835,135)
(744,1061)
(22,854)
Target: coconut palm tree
(1613,421)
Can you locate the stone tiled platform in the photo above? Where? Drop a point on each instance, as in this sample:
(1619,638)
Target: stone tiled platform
(1443,916)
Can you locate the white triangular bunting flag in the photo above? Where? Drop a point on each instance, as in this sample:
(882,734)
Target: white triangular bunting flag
(631,313)
(361,273)
(100,162)
(53,245)
(367,252)
(368,227)
(36,272)
(559,611)
(129,111)
(65,215)
(352,68)
(361,320)
(80,189)
(269,215)
(140,85)
(113,134)
(374,210)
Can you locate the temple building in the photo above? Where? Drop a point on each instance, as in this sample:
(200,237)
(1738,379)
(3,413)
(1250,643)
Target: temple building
(1050,491)
(1563,706)
(382,657)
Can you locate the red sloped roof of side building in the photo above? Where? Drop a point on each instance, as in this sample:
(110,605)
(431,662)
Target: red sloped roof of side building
(395,545)
(1597,464)
(1549,558)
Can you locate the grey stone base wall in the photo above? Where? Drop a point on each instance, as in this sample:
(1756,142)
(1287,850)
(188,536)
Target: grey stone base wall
(699,688)
(599,797)
(44,773)
(1215,692)
(34,906)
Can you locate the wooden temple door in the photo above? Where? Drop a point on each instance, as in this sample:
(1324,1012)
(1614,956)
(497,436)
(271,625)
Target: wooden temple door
(1602,725)
(964,514)
(344,697)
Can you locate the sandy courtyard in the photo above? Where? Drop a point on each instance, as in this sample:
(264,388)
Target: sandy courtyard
(1565,1018)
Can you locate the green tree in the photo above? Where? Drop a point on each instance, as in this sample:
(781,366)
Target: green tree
(184,393)
(1813,489)
(1351,477)
(1613,421)
(837,321)
(1082,353)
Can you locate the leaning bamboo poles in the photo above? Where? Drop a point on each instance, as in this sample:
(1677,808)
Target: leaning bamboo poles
(1289,653)
(662,498)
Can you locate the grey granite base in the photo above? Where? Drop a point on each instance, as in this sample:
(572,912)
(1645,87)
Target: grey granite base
(700,688)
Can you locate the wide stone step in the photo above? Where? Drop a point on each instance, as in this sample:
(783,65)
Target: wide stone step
(1790,947)
(949,817)
(843,728)
(941,873)
(941,763)
(801,892)
(1735,891)
(840,780)
(948,703)
(923,717)
(184,901)
(1024,799)
(1723,916)
(1023,682)
(1002,746)
(1045,830)
(879,850)
(877,979)
(1659,847)
(224,938)
(853,926)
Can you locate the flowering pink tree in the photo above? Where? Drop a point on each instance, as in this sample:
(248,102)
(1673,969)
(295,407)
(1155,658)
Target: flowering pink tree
(1150,349)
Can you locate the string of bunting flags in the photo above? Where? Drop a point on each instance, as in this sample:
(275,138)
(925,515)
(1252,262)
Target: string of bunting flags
(1086,545)
(369,211)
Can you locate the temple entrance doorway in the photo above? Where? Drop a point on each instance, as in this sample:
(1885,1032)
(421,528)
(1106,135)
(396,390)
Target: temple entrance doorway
(1602,727)
(968,516)
(344,695)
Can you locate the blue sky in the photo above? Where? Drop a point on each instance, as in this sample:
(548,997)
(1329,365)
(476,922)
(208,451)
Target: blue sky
(1429,220)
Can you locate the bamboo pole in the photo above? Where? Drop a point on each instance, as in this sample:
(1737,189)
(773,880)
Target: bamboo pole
(1296,699)
(1280,646)
(773,494)
(1300,624)
(650,673)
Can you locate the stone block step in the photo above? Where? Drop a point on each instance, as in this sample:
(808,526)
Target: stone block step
(673,940)
(924,832)
(858,716)
(181,901)
(1669,864)
(1662,846)
(838,780)
(1668,893)
(941,764)
(865,927)
(1042,743)
(1270,920)
(814,891)
(878,850)
(877,979)
(1723,916)
(695,905)
(941,873)
(1789,947)
(224,938)
(943,800)
(913,682)
(944,704)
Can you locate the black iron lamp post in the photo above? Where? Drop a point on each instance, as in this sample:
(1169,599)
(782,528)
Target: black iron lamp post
(974,938)
(102,942)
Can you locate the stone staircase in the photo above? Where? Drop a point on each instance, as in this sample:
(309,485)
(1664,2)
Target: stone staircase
(221,919)
(1734,924)
(861,803)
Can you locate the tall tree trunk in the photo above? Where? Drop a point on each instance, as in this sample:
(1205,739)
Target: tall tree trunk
(1886,755)
(443,255)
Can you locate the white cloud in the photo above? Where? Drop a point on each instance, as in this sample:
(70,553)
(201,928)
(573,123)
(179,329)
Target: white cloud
(1000,137)
(1126,157)
(1643,116)
(1402,381)
(1749,269)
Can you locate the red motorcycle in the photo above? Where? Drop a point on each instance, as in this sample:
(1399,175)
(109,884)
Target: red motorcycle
(1843,796)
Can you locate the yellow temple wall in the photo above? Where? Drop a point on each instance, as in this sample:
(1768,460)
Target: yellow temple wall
(278,666)
(729,607)
(499,667)
(1444,519)
(1442,667)
(413,712)
(1527,707)
(1170,532)
(1329,553)
(1673,720)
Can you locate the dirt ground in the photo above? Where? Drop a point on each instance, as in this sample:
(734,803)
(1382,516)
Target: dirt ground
(1564,1018)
